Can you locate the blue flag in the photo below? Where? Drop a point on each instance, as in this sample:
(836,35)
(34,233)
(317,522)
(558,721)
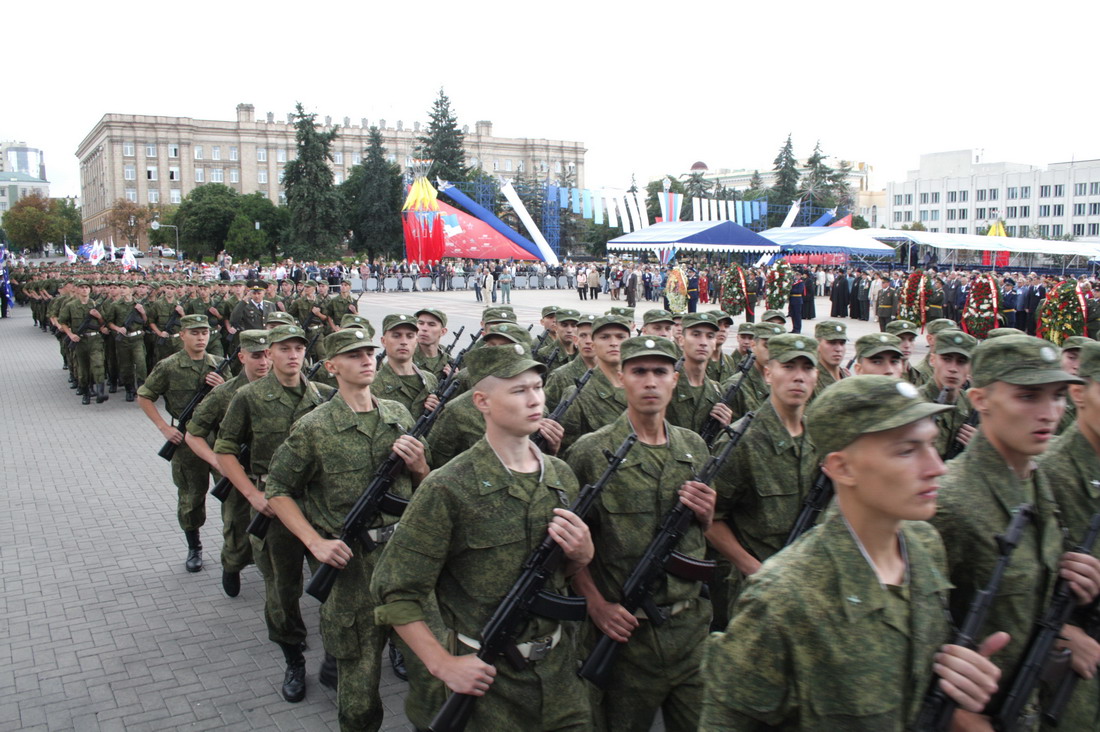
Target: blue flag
(586,203)
(563,197)
(576,200)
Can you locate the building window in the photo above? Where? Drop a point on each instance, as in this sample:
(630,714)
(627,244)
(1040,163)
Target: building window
(908,215)
(1025,211)
(1044,191)
(935,215)
(200,175)
(234,175)
(282,198)
(897,216)
(1010,212)
(980,213)
(994,194)
(150,151)
(1094,189)
(1059,210)
(356,159)
(1094,229)
(217,175)
(951,196)
(1079,189)
(150,172)
(1056,230)
(962,229)
(963,196)
(173,151)
(520,166)
(198,152)
(1078,229)
(908,197)
(1078,209)
(496,165)
(338,158)
(1044,211)
(261,154)
(128,149)
(1025,191)
(173,172)
(924,198)
(131,195)
(924,215)
(950,214)
(935,194)
(261,176)
(979,195)
(280,155)
(234,154)
(154,196)
(1011,193)
(174,196)
(1094,209)
(1010,230)
(950,229)
(282,174)
(1059,191)
(215,153)
(408,161)
(897,199)
(1044,230)
(129,172)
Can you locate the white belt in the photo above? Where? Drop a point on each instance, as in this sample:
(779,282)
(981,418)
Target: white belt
(89,335)
(174,335)
(382,534)
(135,334)
(675,609)
(533,650)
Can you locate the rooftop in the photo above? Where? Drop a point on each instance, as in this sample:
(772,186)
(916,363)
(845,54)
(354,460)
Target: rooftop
(14,177)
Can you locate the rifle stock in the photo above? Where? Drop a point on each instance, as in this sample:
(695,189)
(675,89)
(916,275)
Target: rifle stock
(821,492)
(224,486)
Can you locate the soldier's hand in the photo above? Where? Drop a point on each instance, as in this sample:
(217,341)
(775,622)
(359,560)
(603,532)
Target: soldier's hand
(446,370)
(172,434)
(466,675)
(966,434)
(572,535)
(317,311)
(1083,573)
(612,619)
(411,450)
(95,314)
(431,402)
(332,552)
(259,502)
(232,330)
(700,498)
(180,311)
(74,338)
(554,434)
(1085,650)
(722,413)
(104,330)
(214,378)
(967,676)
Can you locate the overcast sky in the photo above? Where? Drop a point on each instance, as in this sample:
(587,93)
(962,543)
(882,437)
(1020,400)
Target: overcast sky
(648,87)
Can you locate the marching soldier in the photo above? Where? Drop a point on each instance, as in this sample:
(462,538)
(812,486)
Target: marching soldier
(696,398)
(907,332)
(399,379)
(126,322)
(87,342)
(950,359)
(431,326)
(603,399)
(832,340)
(754,389)
(879,354)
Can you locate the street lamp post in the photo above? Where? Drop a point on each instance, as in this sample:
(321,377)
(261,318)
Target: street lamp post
(157,225)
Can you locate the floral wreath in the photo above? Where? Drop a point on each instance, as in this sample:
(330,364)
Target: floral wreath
(1062,314)
(980,313)
(733,291)
(914,296)
(777,285)
(676,290)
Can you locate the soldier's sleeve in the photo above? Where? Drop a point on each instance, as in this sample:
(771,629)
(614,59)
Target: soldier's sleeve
(439,442)
(156,385)
(204,421)
(293,464)
(573,422)
(235,427)
(729,484)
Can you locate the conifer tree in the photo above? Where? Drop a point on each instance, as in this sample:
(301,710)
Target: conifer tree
(316,222)
(373,196)
(443,143)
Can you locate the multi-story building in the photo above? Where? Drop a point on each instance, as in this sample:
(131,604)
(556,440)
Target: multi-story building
(956,193)
(159,160)
(14,186)
(18,157)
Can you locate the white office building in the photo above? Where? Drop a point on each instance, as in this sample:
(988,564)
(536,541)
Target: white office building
(957,193)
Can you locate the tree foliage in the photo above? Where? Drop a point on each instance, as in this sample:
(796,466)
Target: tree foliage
(204,219)
(816,184)
(787,176)
(127,219)
(243,240)
(373,195)
(29,224)
(443,143)
(696,185)
(316,228)
(67,224)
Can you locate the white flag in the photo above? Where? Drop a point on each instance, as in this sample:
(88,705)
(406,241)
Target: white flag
(695,209)
(612,219)
(70,255)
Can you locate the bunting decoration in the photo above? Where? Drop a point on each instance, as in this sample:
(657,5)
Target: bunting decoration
(421,223)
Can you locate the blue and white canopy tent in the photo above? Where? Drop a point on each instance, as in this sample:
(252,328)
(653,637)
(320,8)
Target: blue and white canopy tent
(667,238)
(1022,251)
(827,240)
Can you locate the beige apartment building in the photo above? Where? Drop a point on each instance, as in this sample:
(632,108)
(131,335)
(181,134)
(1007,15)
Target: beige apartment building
(159,160)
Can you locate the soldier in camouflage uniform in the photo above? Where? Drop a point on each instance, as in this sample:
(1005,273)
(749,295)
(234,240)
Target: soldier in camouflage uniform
(566,322)
(1019,388)
(465,536)
(316,476)
(260,415)
(658,667)
(720,367)
(745,337)
(164,321)
(907,332)
(126,321)
(399,379)
(1071,355)
(339,306)
(549,322)
(203,304)
(950,360)
(761,488)
(87,352)
(603,399)
(879,354)
(202,431)
(832,340)
(431,326)
(177,379)
(933,328)
(559,382)
(696,398)
(110,356)
(754,391)
(839,632)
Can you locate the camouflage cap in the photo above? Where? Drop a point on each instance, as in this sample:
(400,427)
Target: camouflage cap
(397,320)
(192,322)
(278,317)
(693,319)
(941,324)
(873,344)
(610,321)
(1075,342)
(504,362)
(550,310)
(347,339)
(951,341)
(746,328)
(1089,366)
(565,315)
(498,315)
(254,340)
(862,405)
(789,346)
(625,312)
(898,327)
(435,313)
(1018,359)
(307,283)
(640,346)
(764,331)
(351,320)
(281,333)
(831,330)
(999,332)
(511,331)
(586,319)
(721,316)
(770,314)
(657,315)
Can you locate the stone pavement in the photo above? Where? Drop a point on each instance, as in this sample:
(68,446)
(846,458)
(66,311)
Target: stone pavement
(100,626)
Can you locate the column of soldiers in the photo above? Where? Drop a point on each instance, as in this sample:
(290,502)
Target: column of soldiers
(845,628)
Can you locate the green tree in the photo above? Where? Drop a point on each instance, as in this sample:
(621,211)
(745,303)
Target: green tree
(67,225)
(443,142)
(373,195)
(596,236)
(841,190)
(256,207)
(858,222)
(817,183)
(29,224)
(127,220)
(785,189)
(316,222)
(697,186)
(756,183)
(166,215)
(244,240)
(204,219)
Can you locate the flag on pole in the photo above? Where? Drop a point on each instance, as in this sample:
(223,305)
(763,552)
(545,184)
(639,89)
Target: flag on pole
(789,220)
(97,254)
(129,261)
(70,255)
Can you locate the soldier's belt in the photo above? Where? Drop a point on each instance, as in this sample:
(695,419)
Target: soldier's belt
(669,610)
(532,650)
(382,534)
(135,333)
(174,335)
(89,335)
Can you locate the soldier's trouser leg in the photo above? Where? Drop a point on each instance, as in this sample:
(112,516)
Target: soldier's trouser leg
(110,357)
(191,474)
(131,360)
(83,353)
(658,669)
(150,351)
(236,548)
(279,558)
(94,346)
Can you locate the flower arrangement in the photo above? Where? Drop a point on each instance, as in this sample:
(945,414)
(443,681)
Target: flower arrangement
(980,313)
(676,290)
(1062,314)
(777,284)
(733,291)
(914,294)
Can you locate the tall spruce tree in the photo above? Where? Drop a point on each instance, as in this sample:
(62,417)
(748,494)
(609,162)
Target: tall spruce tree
(785,189)
(442,143)
(817,184)
(316,222)
(373,196)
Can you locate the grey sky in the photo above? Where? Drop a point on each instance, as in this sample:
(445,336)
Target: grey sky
(648,87)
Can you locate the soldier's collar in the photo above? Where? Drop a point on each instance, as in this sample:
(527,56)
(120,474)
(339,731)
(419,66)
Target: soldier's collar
(487,486)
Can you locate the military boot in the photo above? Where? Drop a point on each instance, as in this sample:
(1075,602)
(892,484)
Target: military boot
(397,663)
(101,393)
(130,394)
(114,386)
(294,680)
(329,674)
(194,551)
(85,396)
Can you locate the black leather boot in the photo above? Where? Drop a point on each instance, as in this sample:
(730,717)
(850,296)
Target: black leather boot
(81,390)
(194,551)
(294,680)
(397,661)
(231,583)
(329,674)
(130,394)
(85,396)
(114,386)
(101,393)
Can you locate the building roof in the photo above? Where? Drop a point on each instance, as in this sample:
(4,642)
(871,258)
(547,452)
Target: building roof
(15,177)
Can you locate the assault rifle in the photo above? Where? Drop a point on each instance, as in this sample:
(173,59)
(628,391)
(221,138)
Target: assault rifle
(173,321)
(540,340)
(79,332)
(1047,630)
(119,337)
(661,557)
(712,427)
(458,334)
(938,708)
(169,448)
(957,447)
(528,597)
(375,499)
(679,364)
(563,406)
(1052,712)
(821,492)
(552,358)
(224,486)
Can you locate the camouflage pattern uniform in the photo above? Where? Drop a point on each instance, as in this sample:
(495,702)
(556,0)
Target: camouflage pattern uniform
(162,312)
(723,369)
(465,535)
(818,643)
(560,381)
(599,404)
(129,348)
(659,667)
(339,306)
(690,406)
(435,365)
(410,391)
(948,423)
(88,352)
(325,465)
